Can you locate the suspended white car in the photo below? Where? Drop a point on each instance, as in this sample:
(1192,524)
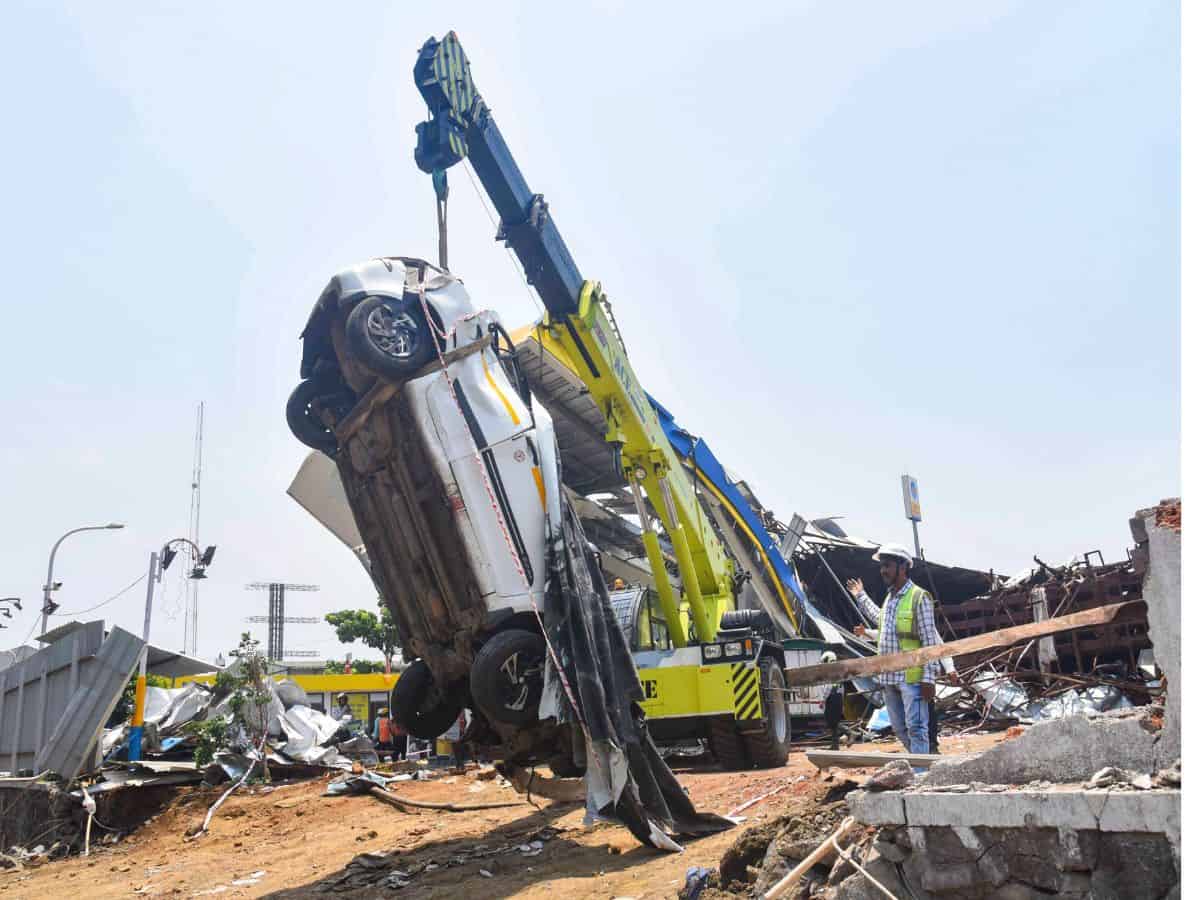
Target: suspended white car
(438,464)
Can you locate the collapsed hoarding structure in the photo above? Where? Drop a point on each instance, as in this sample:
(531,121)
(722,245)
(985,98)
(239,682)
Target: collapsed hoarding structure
(1087,669)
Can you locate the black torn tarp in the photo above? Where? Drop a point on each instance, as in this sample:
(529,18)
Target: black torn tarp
(626,777)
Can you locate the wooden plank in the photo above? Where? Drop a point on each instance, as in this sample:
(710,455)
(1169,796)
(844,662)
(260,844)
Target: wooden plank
(849,759)
(384,390)
(833,673)
(823,852)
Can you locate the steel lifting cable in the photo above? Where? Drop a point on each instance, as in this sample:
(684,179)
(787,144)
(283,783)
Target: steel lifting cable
(517,567)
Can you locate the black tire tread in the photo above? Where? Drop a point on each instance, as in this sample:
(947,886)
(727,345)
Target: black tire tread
(374,359)
(306,431)
(761,747)
(726,745)
(484,675)
(410,690)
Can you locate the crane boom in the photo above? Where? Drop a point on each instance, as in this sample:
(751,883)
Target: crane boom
(461,127)
(579,319)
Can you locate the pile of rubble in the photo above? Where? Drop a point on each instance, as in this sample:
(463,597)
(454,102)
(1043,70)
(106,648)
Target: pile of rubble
(1085,802)
(1031,817)
(297,736)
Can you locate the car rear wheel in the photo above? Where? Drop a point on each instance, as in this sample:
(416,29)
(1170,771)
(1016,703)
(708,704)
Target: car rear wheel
(506,677)
(419,705)
(390,337)
(314,409)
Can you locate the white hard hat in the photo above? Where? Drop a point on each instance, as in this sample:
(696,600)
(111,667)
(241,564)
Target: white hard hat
(828,657)
(895,551)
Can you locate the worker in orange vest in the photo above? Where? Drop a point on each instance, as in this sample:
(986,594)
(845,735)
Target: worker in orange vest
(389,737)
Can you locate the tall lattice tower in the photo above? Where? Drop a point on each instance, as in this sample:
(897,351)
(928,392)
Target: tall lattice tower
(275,618)
(191,610)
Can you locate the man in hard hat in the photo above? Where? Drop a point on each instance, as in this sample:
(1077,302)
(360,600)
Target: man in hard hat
(905,623)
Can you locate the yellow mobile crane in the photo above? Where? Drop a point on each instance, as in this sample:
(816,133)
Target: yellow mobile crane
(721,676)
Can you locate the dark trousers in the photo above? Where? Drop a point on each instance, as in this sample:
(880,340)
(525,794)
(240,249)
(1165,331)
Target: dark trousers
(396,747)
(833,715)
(933,727)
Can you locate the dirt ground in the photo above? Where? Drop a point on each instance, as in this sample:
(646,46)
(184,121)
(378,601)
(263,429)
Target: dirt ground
(290,842)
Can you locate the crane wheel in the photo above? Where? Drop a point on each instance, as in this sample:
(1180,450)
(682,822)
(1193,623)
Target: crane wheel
(769,748)
(726,745)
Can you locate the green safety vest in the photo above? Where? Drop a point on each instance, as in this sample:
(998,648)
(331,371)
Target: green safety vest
(906,629)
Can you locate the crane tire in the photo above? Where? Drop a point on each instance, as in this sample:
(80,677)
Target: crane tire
(769,747)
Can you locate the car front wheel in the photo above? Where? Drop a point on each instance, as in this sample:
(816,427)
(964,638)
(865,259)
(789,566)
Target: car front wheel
(390,336)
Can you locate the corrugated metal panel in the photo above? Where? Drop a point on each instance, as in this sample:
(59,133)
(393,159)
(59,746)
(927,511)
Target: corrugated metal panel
(626,605)
(35,691)
(79,726)
(579,425)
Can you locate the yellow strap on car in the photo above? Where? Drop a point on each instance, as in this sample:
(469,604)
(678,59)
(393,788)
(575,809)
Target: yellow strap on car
(508,407)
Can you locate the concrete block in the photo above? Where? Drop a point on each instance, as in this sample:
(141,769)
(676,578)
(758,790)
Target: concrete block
(856,887)
(993,865)
(949,877)
(890,851)
(1071,852)
(1162,591)
(1060,751)
(1133,865)
(1017,809)
(1074,883)
(1017,891)
(871,808)
(1144,811)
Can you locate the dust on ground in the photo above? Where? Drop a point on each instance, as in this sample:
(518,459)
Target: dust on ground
(291,842)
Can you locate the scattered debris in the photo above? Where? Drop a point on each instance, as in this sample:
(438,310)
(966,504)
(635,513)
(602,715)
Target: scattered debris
(892,777)
(694,883)
(1113,777)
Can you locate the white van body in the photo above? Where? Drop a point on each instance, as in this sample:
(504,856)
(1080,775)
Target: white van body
(493,450)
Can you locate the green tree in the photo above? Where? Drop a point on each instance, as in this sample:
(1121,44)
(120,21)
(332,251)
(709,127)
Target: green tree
(376,631)
(357,666)
(245,684)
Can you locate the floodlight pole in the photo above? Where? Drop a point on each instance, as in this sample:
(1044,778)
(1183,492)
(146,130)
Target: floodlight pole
(136,723)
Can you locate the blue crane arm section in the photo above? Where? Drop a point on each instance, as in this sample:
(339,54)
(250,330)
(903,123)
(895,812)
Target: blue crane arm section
(460,127)
(706,464)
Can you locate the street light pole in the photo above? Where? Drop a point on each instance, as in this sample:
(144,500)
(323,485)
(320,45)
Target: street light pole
(47,603)
(153,577)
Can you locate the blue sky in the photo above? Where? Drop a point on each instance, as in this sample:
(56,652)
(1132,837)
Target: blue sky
(841,242)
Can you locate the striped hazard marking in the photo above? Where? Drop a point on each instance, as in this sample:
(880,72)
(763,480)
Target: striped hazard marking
(747,701)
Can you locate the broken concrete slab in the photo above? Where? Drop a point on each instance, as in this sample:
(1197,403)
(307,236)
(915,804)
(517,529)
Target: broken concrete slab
(894,776)
(1064,750)
(964,863)
(858,759)
(1162,592)
(1140,811)
(883,808)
